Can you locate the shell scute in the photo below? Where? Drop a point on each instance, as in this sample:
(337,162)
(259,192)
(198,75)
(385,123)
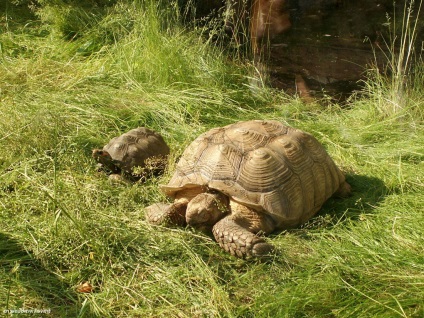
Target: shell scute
(259,170)
(272,168)
(132,148)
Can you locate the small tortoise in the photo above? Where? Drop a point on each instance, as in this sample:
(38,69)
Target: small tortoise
(246,179)
(135,154)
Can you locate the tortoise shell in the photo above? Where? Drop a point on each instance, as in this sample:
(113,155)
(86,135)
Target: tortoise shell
(272,168)
(134,148)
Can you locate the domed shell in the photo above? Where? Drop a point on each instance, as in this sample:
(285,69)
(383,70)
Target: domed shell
(265,165)
(133,148)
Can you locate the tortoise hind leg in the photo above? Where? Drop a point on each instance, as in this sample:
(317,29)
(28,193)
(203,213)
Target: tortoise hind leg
(344,191)
(238,241)
(167,214)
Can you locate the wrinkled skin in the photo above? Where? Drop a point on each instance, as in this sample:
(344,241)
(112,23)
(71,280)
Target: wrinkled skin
(233,226)
(247,179)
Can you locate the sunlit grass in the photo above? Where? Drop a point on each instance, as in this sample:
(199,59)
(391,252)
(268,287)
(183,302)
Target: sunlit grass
(392,87)
(63,223)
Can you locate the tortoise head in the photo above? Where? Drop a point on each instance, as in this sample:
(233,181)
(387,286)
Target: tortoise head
(105,160)
(204,210)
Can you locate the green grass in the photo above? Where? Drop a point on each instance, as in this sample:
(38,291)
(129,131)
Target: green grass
(68,87)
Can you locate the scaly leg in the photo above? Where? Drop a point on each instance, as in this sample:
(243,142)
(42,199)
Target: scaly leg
(238,241)
(167,214)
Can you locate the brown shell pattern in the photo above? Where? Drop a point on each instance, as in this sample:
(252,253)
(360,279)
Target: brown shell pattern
(265,165)
(134,147)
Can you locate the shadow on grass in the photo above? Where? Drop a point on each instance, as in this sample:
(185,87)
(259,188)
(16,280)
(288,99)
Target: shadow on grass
(367,193)
(17,14)
(28,285)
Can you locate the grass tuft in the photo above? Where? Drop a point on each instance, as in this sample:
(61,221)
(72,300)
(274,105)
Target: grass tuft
(73,77)
(392,87)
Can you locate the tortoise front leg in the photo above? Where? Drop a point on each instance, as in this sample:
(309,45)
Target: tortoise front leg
(238,241)
(167,214)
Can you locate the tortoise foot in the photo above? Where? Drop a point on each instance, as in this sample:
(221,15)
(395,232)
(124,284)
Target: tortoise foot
(238,241)
(166,214)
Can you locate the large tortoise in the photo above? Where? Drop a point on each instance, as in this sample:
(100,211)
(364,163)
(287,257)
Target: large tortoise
(135,154)
(246,179)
